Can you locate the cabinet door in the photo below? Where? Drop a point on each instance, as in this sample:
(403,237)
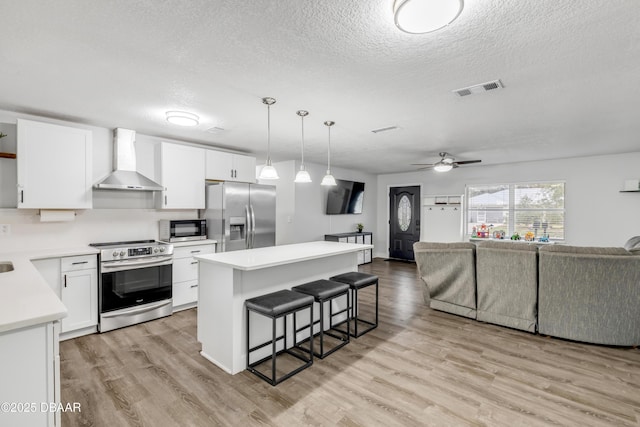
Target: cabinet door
(54,165)
(79,294)
(220,166)
(182,172)
(244,168)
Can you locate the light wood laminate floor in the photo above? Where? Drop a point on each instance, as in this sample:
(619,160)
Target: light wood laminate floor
(419,367)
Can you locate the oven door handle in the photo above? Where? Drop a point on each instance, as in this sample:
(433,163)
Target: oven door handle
(131,265)
(136,310)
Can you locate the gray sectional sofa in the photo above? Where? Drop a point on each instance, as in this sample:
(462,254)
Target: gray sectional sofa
(507,279)
(584,294)
(449,276)
(590,294)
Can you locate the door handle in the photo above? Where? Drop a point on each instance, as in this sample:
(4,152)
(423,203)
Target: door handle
(247,228)
(65,280)
(79,262)
(165,200)
(231,173)
(21,196)
(253,227)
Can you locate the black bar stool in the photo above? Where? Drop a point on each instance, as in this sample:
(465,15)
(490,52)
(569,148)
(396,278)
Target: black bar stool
(325,291)
(274,306)
(357,281)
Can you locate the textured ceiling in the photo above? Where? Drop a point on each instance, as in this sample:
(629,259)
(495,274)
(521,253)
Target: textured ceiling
(571,71)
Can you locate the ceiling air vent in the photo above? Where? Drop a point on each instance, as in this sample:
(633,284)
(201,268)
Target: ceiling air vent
(483,87)
(385,129)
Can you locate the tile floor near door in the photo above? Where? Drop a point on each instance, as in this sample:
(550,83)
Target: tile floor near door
(419,367)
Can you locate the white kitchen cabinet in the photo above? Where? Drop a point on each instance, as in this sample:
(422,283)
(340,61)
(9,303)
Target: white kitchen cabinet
(30,369)
(74,279)
(54,166)
(223,166)
(185,272)
(79,292)
(182,174)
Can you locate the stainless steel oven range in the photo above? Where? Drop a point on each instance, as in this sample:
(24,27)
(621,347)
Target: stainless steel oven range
(134,282)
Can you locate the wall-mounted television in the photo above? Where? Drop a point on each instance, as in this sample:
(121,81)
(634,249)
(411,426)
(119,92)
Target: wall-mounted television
(345,198)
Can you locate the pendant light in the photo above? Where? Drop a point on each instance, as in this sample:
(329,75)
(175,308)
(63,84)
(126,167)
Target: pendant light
(268,171)
(302,175)
(328,178)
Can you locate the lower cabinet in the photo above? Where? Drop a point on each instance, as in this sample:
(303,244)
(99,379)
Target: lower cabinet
(75,280)
(30,371)
(185,272)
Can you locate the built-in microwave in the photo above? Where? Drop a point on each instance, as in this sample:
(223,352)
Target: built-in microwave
(183,230)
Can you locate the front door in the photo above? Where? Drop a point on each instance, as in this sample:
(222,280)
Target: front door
(404,221)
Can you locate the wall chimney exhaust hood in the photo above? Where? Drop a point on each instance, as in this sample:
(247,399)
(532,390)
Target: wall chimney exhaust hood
(125,176)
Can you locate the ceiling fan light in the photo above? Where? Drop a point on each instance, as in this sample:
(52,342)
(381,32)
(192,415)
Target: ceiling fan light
(443,167)
(425,16)
(328,179)
(268,172)
(182,118)
(302,175)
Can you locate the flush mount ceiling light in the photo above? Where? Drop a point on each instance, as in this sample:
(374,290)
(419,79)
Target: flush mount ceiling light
(328,178)
(302,175)
(268,171)
(182,118)
(425,16)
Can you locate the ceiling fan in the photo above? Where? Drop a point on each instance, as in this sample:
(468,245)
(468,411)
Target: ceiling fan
(445,164)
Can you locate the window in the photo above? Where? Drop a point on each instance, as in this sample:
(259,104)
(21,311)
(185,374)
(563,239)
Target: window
(535,207)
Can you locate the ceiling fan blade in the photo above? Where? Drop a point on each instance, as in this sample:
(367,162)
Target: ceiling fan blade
(424,168)
(468,162)
(421,164)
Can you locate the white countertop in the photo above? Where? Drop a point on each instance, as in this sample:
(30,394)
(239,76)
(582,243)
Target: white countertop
(254,259)
(25,298)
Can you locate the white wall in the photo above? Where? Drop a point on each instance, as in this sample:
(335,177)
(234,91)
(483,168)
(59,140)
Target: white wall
(300,208)
(597,214)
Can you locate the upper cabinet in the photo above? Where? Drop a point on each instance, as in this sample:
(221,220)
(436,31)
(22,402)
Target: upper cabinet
(182,176)
(223,166)
(54,166)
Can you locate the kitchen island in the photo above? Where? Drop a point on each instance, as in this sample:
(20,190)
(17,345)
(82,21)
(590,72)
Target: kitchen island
(227,279)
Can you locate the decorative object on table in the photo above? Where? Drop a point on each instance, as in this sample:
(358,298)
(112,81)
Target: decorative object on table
(483,232)
(529,236)
(498,234)
(360,227)
(474,232)
(544,239)
(515,236)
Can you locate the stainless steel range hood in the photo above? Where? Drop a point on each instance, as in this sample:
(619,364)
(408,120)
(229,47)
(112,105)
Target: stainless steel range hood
(125,176)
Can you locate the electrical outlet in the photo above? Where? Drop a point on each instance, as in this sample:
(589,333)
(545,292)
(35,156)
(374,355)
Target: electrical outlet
(5,229)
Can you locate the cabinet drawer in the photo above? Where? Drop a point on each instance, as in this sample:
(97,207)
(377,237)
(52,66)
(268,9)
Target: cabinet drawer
(189,251)
(185,269)
(82,262)
(185,293)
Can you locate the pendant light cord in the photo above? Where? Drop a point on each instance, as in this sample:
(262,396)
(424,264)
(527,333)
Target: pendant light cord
(302,162)
(329,151)
(268,134)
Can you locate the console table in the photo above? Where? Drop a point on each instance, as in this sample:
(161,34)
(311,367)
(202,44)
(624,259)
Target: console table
(361,238)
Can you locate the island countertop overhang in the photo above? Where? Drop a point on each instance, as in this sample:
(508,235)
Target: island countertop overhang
(255,259)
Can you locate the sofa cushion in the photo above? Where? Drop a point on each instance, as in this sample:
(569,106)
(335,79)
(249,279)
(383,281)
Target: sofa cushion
(507,245)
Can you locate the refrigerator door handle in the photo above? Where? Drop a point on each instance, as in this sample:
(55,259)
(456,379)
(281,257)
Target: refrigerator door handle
(247,228)
(253,226)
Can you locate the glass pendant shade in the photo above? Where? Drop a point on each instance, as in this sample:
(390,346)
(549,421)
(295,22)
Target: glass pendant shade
(302,176)
(425,16)
(328,179)
(268,171)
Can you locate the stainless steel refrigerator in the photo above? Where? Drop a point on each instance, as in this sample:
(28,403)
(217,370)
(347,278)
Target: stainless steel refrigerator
(240,215)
